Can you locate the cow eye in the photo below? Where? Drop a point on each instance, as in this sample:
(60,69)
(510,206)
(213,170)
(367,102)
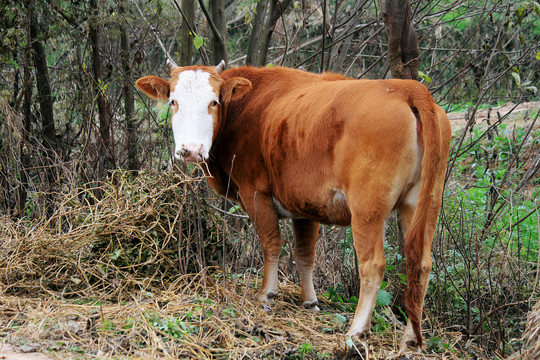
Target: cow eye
(214,103)
(172,102)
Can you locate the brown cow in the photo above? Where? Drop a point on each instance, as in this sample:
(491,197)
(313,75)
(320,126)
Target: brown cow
(318,149)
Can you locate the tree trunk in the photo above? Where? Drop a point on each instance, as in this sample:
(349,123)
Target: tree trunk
(129,98)
(22,189)
(46,102)
(105,145)
(276,11)
(403,53)
(186,39)
(219,43)
(45,98)
(255,38)
(403,49)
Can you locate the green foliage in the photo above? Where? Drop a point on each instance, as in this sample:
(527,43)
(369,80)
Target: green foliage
(487,164)
(305,349)
(383,298)
(437,345)
(335,295)
(198,41)
(490,221)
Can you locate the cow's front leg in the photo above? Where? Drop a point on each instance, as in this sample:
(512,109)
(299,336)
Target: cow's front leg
(261,211)
(271,245)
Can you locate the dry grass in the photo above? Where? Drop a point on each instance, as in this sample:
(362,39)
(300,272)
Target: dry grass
(199,316)
(127,269)
(531,337)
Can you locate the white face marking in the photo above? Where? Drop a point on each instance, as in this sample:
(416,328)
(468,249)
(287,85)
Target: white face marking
(192,125)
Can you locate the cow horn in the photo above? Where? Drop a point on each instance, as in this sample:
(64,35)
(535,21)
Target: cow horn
(171,65)
(220,67)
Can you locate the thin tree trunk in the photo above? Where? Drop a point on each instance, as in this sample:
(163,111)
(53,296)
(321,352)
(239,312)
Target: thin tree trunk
(45,98)
(219,43)
(277,8)
(105,149)
(403,48)
(46,103)
(22,189)
(403,53)
(186,39)
(129,98)
(323,36)
(255,38)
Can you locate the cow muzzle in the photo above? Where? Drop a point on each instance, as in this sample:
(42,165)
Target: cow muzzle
(191,153)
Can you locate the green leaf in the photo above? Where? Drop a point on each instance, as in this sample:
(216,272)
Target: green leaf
(235,209)
(116,254)
(383,298)
(306,348)
(349,342)
(517,78)
(536,7)
(198,41)
(340,318)
(424,76)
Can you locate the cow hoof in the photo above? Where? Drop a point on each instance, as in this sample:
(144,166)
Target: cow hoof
(362,335)
(409,342)
(409,345)
(263,296)
(311,305)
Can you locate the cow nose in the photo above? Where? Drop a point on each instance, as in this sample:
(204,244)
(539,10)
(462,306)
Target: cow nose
(183,152)
(191,153)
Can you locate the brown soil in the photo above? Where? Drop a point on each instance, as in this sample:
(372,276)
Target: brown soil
(520,116)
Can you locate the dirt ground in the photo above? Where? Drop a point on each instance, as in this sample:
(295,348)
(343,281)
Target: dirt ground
(521,115)
(26,352)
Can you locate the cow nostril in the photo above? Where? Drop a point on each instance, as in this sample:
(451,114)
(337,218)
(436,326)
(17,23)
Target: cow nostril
(182,152)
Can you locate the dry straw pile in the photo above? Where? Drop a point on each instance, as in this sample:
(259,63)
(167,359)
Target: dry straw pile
(129,269)
(531,337)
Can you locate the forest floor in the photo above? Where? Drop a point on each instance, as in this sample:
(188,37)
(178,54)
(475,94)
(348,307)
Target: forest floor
(217,320)
(519,115)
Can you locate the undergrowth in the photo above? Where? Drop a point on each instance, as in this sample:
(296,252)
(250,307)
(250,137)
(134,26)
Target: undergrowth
(153,264)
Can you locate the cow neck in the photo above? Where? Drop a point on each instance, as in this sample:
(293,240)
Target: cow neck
(235,126)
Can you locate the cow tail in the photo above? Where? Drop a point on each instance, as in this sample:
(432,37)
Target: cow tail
(422,105)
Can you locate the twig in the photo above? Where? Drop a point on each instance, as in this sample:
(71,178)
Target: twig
(201,49)
(215,30)
(169,57)
(493,311)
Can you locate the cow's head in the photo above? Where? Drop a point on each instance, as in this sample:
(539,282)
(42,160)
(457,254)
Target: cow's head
(196,95)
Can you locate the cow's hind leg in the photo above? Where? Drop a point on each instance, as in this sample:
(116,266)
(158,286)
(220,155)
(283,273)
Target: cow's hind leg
(368,232)
(306,233)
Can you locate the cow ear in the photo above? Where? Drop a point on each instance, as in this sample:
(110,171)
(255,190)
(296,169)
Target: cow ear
(155,87)
(235,88)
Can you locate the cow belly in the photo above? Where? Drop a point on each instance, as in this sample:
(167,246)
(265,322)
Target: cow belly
(285,214)
(333,209)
